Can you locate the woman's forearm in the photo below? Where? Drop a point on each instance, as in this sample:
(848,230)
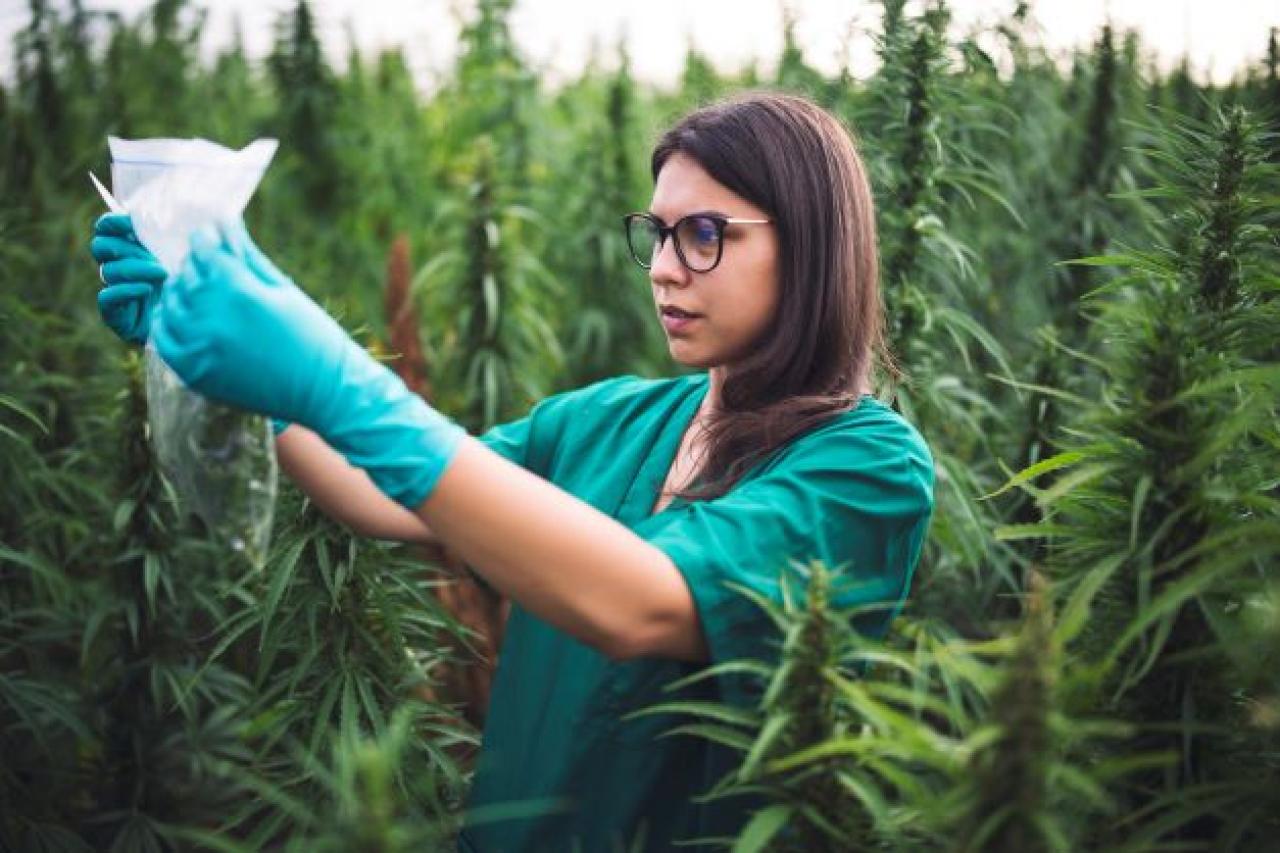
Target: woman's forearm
(562,559)
(343,492)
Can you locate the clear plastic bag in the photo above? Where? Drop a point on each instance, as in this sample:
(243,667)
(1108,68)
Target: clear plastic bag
(221,461)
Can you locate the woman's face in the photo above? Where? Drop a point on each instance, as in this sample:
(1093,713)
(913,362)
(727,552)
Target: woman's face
(736,300)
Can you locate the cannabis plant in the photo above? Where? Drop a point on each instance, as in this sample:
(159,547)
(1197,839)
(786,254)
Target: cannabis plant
(1165,496)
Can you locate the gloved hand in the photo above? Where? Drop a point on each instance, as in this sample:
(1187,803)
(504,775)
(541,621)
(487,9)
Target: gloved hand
(236,329)
(131,275)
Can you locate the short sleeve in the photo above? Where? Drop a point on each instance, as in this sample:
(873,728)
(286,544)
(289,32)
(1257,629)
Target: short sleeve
(511,440)
(531,441)
(856,496)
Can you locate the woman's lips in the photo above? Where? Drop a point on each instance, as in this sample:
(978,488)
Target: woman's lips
(676,325)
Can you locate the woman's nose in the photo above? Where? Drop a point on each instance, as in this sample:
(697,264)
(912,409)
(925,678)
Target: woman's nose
(666,267)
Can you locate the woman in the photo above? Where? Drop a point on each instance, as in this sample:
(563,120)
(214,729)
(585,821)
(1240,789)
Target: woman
(615,517)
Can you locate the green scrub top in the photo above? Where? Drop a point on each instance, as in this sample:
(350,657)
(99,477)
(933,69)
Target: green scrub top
(857,490)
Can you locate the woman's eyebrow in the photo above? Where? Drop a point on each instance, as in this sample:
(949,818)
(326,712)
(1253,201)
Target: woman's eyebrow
(707,212)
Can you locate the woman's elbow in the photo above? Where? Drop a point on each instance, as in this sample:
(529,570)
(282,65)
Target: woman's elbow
(676,637)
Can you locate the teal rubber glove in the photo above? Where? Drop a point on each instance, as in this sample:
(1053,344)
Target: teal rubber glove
(132,277)
(236,329)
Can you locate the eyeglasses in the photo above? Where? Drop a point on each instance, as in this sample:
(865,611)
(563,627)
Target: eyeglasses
(699,238)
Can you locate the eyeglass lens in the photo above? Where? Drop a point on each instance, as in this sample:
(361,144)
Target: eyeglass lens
(697,240)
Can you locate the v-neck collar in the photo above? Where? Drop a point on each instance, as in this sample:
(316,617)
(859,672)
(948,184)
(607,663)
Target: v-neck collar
(657,463)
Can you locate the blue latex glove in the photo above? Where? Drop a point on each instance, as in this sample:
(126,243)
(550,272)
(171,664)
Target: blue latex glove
(131,275)
(236,329)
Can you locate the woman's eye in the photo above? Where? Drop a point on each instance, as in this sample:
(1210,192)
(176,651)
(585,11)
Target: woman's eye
(705,231)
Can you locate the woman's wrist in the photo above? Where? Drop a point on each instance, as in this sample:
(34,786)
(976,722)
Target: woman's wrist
(344,492)
(380,426)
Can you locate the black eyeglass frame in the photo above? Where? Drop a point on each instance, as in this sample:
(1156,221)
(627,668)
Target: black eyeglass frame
(664,231)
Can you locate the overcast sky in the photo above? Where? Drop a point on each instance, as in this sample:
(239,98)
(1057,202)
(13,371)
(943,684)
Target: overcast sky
(556,35)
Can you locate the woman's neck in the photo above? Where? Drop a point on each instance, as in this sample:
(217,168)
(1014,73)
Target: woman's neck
(711,403)
(715,379)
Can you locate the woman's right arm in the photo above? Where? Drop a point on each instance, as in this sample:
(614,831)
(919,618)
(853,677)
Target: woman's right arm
(132,277)
(343,492)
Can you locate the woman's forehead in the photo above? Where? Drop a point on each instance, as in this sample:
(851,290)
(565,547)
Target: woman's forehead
(684,187)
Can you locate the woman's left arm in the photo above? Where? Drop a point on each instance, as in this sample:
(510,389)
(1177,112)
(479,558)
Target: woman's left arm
(562,559)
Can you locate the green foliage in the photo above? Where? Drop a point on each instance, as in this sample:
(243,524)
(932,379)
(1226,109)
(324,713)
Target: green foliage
(1167,501)
(923,740)
(611,326)
(494,296)
(1081,274)
(1031,779)
(794,74)
(930,128)
(307,97)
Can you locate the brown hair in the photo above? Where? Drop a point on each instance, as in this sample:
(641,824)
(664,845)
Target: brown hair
(799,164)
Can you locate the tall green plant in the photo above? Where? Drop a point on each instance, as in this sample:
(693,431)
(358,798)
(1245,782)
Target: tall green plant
(492,93)
(852,740)
(925,175)
(1163,503)
(339,638)
(124,739)
(1033,777)
(307,93)
(611,327)
(794,74)
(488,300)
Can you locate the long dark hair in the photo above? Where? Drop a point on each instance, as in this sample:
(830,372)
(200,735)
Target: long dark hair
(800,165)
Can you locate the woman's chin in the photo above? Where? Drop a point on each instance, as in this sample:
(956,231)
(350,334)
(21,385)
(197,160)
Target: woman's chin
(690,357)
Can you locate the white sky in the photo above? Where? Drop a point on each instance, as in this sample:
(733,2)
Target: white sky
(1220,36)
